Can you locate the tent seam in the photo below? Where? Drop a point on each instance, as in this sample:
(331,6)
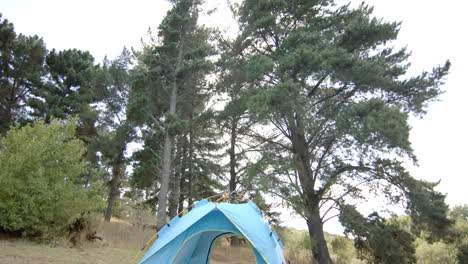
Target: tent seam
(211,246)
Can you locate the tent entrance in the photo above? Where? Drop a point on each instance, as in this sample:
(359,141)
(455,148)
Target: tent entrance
(223,252)
(213,247)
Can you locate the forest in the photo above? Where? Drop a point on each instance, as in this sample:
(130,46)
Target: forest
(306,108)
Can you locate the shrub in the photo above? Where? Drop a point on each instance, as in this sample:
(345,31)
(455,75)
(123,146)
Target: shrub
(343,249)
(40,165)
(435,253)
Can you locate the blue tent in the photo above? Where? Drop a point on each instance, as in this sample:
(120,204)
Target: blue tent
(189,239)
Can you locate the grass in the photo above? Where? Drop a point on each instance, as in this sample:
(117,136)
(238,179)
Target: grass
(122,241)
(223,253)
(21,252)
(122,234)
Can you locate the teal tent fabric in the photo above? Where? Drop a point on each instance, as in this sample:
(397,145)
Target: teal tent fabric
(189,239)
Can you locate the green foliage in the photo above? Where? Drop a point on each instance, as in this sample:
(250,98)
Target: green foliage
(69,85)
(337,96)
(429,211)
(459,232)
(343,249)
(168,100)
(435,253)
(373,123)
(72,83)
(40,167)
(459,212)
(297,241)
(325,80)
(22,59)
(378,240)
(462,254)
(294,240)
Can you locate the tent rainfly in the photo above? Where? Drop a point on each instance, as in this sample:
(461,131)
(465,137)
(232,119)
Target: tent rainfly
(189,239)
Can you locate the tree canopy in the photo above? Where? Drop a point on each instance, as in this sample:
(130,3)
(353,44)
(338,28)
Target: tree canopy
(309,103)
(337,97)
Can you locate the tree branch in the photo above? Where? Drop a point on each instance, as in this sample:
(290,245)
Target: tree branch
(316,86)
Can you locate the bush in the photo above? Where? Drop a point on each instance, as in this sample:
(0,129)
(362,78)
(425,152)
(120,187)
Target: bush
(435,253)
(40,166)
(343,248)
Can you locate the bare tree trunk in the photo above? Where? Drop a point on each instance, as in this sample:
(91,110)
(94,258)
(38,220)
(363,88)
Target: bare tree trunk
(232,169)
(190,169)
(315,226)
(167,150)
(166,174)
(311,198)
(181,196)
(175,183)
(6,119)
(232,157)
(183,175)
(190,157)
(114,187)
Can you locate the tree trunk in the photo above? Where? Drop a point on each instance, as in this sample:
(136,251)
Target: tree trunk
(6,119)
(232,157)
(190,174)
(114,187)
(166,171)
(311,199)
(232,169)
(167,150)
(173,201)
(175,184)
(190,159)
(181,197)
(315,226)
(183,177)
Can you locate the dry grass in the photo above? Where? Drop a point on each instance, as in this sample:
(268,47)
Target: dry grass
(122,241)
(122,234)
(223,253)
(298,257)
(304,257)
(24,252)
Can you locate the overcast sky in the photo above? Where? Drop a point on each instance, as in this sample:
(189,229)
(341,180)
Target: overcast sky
(433,30)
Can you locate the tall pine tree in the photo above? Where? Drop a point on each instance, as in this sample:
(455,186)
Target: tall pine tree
(335,98)
(165,71)
(21,71)
(115,131)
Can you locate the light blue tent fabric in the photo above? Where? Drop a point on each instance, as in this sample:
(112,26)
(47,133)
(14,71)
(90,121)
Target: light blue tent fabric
(189,239)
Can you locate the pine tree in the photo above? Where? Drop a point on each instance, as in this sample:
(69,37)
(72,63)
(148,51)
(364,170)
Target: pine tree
(21,70)
(70,88)
(233,119)
(176,60)
(335,103)
(115,130)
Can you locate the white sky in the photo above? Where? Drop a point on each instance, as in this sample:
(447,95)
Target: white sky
(432,30)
